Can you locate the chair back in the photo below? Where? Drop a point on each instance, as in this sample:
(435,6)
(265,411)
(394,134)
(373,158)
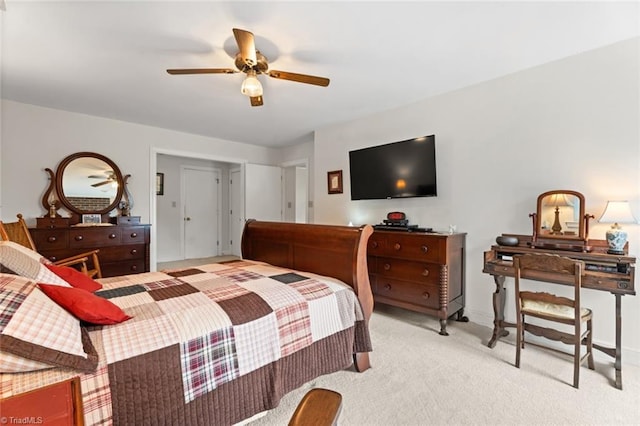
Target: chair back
(18,232)
(535,266)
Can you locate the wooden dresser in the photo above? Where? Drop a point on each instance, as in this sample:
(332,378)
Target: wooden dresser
(124,247)
(422,272)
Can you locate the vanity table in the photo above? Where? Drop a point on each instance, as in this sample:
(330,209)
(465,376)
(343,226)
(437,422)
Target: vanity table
(603,272)
(90,187)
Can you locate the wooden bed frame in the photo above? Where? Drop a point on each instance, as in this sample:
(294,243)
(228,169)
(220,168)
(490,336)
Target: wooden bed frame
(335,251)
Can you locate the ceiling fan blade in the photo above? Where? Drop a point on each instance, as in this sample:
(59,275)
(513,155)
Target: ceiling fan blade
(256,100)
(247,46)
(300,78)
(95,185)
(202,71)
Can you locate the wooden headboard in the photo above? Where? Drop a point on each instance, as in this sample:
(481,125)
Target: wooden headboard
(334,251)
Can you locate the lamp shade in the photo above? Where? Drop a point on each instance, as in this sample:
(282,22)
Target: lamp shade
(251,85)
(617,212)
(558,200)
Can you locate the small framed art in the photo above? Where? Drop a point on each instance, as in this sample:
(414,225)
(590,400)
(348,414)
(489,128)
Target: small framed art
(91,218)
(159,183)
(334,182)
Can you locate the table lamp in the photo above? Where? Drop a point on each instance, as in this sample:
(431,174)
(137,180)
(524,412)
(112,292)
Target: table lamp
(617,212)
(557,200)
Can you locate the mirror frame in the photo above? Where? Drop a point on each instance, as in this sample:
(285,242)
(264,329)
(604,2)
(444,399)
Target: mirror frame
(60,191)
(582,226)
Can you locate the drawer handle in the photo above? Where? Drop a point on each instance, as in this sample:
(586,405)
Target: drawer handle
(134,234)
(397,246)
(425,273)
(53,258)
(52,239)
(112,236)
(79,238)
(134,268)
(374,244)
(424,249)
(387,287)
(387,266)
(425,295)
(134,251)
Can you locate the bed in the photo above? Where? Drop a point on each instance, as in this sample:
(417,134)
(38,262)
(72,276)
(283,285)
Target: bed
(214,344)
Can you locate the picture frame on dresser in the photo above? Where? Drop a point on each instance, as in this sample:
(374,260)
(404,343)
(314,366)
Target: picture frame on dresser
(91,218)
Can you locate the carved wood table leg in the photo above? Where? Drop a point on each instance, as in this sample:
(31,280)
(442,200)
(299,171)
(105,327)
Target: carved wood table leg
(616,352)
(618,362)
(498,311)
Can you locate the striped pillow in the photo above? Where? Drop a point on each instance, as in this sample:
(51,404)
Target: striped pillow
(27,263)
(34,327)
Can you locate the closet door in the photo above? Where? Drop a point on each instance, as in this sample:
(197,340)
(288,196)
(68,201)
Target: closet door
(201,212)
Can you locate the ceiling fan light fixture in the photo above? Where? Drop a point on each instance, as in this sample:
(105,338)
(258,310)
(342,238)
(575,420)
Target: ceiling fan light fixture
(251,85)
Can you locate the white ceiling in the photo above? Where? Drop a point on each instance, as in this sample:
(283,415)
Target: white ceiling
(109,58)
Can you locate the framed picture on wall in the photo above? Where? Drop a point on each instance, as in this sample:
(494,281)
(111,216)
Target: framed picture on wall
(334,182)
(159,183)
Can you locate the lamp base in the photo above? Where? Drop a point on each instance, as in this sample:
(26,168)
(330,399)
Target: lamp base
(616,238)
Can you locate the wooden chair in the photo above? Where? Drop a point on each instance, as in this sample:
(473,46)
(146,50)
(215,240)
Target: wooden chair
(549,307)
(18,232)
(319,407)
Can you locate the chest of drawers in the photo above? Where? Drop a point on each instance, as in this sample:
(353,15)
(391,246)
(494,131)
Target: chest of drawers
(124,249)
(422,272)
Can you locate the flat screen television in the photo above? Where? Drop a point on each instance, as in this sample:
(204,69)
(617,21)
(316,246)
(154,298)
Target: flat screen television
(396,170)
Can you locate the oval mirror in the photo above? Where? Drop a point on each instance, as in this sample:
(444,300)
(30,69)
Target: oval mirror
(561,215)
(89,183)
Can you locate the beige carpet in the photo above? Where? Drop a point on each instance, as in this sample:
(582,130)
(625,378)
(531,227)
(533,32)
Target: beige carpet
(188,263)
(422,378)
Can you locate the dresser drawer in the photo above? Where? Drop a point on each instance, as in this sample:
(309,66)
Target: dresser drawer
(133,234)
(408,292)
(408,246)
(94,237)
(421,272)
(120,253)
(50,239)
(124,267)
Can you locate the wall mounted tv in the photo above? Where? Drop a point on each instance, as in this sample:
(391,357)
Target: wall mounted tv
(396,170)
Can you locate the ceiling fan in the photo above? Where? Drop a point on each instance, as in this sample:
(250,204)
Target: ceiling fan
(253,63)
(109,178)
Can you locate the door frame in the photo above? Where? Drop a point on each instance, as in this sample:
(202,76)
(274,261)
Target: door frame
(153,168)
(294,163)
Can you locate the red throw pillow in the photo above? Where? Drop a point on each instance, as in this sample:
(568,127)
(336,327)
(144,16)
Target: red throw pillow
(74,277)
(84,305)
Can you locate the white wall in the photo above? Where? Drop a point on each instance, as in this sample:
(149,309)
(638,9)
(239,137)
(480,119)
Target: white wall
(34,138)
(570,124)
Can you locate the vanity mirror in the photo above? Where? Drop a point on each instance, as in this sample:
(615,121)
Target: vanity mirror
(561,216)
(86,184)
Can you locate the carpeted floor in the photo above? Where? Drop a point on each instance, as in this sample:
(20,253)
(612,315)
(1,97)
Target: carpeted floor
(177,264)
(422,378)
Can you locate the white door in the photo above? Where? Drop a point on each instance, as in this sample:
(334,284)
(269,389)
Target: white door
(263,192)
(201,219)
(236,221)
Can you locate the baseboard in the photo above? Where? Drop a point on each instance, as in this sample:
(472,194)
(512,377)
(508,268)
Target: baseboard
(629,355)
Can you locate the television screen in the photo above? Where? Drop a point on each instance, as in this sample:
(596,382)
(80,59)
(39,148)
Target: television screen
(395,170)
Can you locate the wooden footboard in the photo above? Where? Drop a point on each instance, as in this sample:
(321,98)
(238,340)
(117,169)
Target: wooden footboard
(334,251)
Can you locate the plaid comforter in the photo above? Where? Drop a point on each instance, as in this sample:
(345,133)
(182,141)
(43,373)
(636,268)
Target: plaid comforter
(212,345)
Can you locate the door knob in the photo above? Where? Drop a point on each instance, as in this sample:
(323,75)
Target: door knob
(187,218)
